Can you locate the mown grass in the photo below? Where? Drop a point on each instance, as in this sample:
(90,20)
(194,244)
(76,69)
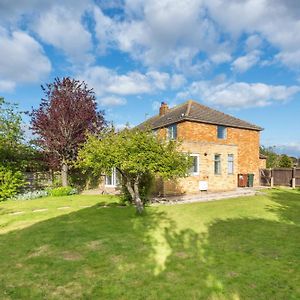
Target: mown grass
(245,248)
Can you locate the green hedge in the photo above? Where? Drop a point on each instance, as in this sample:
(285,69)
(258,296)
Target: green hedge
(62,191)
(10,182)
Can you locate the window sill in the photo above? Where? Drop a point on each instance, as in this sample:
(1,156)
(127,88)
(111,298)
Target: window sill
(194,174)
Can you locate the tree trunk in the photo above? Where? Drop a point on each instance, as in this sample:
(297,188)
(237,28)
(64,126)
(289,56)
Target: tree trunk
(138,202)
(64,174)
(135,194)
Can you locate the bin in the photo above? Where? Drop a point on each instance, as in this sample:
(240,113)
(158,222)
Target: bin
(250,180)
(242,180)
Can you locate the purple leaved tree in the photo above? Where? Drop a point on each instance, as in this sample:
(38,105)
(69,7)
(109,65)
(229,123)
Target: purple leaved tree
(66,114)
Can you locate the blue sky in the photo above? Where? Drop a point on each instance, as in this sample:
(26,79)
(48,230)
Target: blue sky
(241,57)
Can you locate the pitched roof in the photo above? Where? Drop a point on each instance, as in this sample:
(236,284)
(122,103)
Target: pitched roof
(194,111)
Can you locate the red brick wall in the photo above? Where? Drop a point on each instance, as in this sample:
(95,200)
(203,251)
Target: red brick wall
(246,140)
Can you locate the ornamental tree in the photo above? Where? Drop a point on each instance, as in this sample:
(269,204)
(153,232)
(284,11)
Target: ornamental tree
(133,153)
(65,115)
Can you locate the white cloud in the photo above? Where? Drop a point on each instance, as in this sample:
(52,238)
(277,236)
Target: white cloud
(106,81)
(62,28)
(292,149)
(104,29)
(177,81)
(22,60)
(276,21)
(161,33)
(7,85)
(244,63)
(112,101)
(253,42)
(239,94)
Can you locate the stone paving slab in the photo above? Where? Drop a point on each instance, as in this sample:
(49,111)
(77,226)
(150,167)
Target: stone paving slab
(204,197)
(17,213)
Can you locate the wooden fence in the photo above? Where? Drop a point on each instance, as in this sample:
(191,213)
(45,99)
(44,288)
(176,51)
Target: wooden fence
(280,177)
(40,180)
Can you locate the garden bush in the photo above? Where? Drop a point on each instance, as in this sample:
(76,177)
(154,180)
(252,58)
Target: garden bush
(10,182)
(62,191)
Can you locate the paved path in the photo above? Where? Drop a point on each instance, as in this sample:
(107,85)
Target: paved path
(205,197)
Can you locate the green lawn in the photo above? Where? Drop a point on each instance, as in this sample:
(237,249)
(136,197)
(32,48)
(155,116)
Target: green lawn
(245,248)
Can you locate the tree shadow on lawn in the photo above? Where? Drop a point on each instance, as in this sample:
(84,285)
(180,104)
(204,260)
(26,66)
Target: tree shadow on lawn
(109,253)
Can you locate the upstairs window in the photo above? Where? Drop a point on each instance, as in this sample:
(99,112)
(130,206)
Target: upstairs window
(230,163)
(194,170)
(222,132)
(217,164)
(172,132)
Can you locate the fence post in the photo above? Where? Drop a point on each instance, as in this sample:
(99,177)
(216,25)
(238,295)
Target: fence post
(272,178)
(294,178)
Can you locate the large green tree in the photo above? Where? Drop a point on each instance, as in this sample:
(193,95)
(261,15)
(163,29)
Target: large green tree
(272,156)
(13,159)
(11,134)
(133,153)
(285,161)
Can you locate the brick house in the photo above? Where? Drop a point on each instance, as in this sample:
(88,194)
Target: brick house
(222,147)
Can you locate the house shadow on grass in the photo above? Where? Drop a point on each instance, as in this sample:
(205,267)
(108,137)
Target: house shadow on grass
(109,253)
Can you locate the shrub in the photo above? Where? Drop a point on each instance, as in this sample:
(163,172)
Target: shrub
(62,191)
(10,182)
(31,195)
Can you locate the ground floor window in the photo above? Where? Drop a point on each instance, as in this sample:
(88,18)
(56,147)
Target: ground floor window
(217,164)
(112,179)
(230,163)
(194,170)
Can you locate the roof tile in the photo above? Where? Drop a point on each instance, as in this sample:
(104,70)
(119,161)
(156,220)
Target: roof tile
(194,111)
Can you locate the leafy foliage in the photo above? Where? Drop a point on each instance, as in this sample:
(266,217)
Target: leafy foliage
(67,113)
(275,160)
(134,153)
(31,195)
(285,162)
(62,191)
(13,152)
(272,156)
(10,182)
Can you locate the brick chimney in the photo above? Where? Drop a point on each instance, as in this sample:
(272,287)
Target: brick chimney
(164,108)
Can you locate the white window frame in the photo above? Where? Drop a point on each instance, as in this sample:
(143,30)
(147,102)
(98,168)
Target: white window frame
(220,161)
(171,132)
(114,180)
(225,132)
(198,164)
(231,162)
